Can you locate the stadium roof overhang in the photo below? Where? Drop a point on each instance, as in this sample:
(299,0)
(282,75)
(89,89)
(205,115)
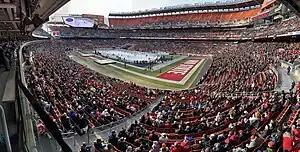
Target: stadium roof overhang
(294,5)
(47,7)
(191,8)
(13,12)
(9,18)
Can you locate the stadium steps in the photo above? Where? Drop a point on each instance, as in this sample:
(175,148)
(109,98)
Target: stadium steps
(10,88)
(293,117)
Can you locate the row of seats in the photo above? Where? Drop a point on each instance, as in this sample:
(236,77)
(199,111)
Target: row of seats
(211,17)
(250,129)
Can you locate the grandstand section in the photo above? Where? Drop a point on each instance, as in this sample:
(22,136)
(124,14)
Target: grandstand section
(191,19)
(197,15)
(236,68)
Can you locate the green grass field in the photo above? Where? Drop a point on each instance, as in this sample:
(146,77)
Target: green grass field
(140,80)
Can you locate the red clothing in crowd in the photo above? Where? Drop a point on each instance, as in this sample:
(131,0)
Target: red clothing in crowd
(168,125)
(298,87)
(186,146)
(38,57)
(42,128)
(287,143)
(91,124)
(176,149)
(296,133)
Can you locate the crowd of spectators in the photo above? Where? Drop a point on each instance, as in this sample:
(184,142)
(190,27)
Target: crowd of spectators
(205,120)
(77,98)
(182,24)
(111,33)
(235,67)
(236,70)
(282,27)
(6,53)
(202,119)
(288,52)
(246,123)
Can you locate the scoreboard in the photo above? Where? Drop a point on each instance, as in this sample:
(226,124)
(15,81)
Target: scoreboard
(78,21)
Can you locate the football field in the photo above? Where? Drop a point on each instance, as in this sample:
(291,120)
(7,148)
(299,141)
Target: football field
(180,75)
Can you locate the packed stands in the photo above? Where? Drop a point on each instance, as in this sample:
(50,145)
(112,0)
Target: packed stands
(287,26)
(61,99)
(204,118)
(197,15)
(101,33)
(184,20)
(233,107)
(7,53)
(77,98)
(176,125)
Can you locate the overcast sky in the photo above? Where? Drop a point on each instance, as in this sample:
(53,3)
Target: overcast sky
(103,7)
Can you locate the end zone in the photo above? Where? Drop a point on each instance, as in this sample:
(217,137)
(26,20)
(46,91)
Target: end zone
(179,72)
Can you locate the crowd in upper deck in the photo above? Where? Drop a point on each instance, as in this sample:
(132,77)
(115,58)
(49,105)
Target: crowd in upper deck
(282,27)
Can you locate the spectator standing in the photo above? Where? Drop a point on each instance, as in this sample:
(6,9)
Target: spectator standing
(287,142)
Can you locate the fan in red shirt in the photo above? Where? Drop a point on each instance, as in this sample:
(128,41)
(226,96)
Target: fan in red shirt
(298,87)
(186,144)
(287,142)
(41,128)
(176,147)
(296,136)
